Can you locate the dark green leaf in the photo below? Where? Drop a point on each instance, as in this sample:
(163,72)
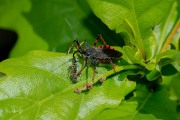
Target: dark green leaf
(164,61)
(12,18)
(168,70)
(156,103)
(126,111)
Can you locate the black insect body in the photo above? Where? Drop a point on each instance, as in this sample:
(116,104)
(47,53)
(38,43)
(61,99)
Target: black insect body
(94,55)
(102,54)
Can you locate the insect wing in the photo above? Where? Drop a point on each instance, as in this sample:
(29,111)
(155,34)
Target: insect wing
(111,53)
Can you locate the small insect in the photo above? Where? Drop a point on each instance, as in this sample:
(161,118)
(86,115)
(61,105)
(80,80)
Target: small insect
(94,55)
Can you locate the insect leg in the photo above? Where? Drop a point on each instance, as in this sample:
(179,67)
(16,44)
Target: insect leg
(94,74)
(112,65)
(86,44)
(78,45)
(85,64)
(82,43)
(99,36)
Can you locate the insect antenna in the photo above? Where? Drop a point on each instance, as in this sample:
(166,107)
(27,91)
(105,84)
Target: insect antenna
(73,33)
(60,65)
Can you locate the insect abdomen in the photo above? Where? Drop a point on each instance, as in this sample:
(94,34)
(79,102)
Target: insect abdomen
(109,52)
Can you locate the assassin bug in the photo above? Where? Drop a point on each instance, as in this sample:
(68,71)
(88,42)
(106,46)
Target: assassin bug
(95,55)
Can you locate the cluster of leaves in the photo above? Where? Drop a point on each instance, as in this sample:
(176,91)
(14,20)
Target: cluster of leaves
(37,86)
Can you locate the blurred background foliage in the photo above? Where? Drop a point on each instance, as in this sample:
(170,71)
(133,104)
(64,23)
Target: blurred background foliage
(27,25)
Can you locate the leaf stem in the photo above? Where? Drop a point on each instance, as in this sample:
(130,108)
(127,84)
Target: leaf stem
(102,77)
(170,37)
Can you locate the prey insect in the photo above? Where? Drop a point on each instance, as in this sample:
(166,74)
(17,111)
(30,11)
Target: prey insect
(73,70)
(92,55)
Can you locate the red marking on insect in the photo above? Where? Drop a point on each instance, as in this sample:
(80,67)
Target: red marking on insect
(95,55)
(88,86)
(107,48)
(111,48)
(77,90)
(104,60)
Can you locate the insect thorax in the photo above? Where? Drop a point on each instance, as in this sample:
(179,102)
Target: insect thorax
(95,55)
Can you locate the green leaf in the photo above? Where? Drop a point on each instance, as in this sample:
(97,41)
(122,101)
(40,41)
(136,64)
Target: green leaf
(129,54)
(167,63)
(2,74)
(168,57)
(173,83)
(176,41)
(153,75)
(37,86)
(131,57)
(165,27)
(135,19)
